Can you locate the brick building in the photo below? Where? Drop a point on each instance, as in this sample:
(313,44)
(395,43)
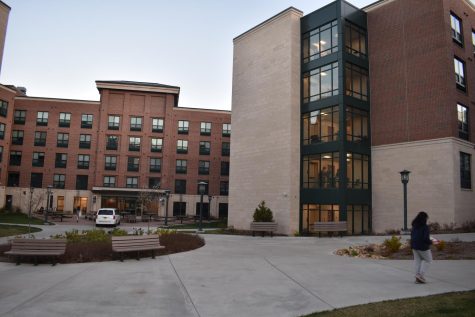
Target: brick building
(126,150)
(359,95)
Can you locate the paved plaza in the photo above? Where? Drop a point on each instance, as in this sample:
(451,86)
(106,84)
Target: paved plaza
(229,276)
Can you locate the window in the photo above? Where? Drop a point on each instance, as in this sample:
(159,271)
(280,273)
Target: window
(64,119)
(156,145)
(85,141)
(59,180)
(319,213)
(462,115)
(81,182)
(109,181)
(357,218)
(61,160)
(320,83)
(83,161)
(225,149)
(132,182)
(60,203)
(226,129)
(183,127)
(179,208)
(19,117)
(355,40)
(15,158)
(321,125)
(205,147)
(2,131)
(134,144)
(205,128)
(459,66)
(321,170)
(133,164)
(62,140)
(203,168)
(17,137)
(13,179)
(320,42)
(86,121)
(112,142)
(357,124)
(357,170)
(135,123)
(456,25)
(180,186)
(182,146)
(38,159)
(3,108)
(1,153)
(157,125)
(356,81)
(224,188)
(155,165)
(42,118)
(40,138)
(110,163)
(465,171)
(224,168)
(154,182)
(36,180)
(113,123)
(181,166)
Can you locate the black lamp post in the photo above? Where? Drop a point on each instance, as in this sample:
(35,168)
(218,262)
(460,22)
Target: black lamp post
(209,206)
(405,180)
(48,203)
(32,189)
(201,190)
(167,194)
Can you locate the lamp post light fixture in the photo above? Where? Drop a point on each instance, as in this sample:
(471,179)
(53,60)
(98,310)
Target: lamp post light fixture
(167,195)
(405,180)
(32,189)
(201,190)
(49,193)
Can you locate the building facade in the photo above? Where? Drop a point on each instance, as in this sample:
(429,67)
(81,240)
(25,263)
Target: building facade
(133,144)
(358,96)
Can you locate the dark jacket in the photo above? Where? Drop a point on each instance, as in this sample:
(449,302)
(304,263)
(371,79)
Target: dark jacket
(420,239)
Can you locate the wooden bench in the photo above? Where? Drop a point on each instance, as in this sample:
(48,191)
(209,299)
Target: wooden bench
(60,215)
(330,226)
(37,247)
(135,244)
(263,227)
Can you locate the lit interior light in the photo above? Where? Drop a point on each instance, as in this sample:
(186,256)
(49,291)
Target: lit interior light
(327,157)
(324,73)
(323,42)
(348,154)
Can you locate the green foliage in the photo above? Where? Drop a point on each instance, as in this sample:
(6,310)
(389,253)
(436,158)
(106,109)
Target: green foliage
(137,231)
(393,244)
(263,213)
(116,232)
(164,232)
(84,236)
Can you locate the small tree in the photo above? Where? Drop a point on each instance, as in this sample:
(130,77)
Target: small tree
(263,213)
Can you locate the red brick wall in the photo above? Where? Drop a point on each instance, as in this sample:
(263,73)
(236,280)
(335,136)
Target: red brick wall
(413,93)
(8,96)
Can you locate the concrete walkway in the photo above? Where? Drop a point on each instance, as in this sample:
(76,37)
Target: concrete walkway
(230,276)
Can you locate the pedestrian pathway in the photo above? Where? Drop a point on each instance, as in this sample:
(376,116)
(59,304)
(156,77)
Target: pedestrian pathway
(229,276)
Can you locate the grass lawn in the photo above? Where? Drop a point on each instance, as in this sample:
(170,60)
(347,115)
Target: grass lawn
(18,217)
(12,230)
(458,304)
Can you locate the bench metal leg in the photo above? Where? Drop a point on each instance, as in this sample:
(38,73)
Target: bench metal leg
(138,258)
(36,261)
(253,233)
(153,254)
(18,260)
(271,234)
(121,256)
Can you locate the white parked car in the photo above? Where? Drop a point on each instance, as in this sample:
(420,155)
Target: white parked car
(108,216)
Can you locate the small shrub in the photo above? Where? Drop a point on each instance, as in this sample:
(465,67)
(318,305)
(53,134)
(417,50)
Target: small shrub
(448,226)
(434,227)
(116,232)
(263,213)
(137,231)
(393,245)
(441,245)
(161,231)
(468,226)
(392,232)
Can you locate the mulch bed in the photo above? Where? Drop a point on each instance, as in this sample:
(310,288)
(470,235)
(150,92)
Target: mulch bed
(98,251)
(453,250)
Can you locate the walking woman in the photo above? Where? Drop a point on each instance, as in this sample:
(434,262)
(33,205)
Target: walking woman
(420,244)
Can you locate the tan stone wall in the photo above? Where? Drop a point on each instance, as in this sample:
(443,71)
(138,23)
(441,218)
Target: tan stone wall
(434,183)
(265,152)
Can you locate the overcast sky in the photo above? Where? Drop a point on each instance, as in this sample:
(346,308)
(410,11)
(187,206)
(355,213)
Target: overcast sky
(58,48)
